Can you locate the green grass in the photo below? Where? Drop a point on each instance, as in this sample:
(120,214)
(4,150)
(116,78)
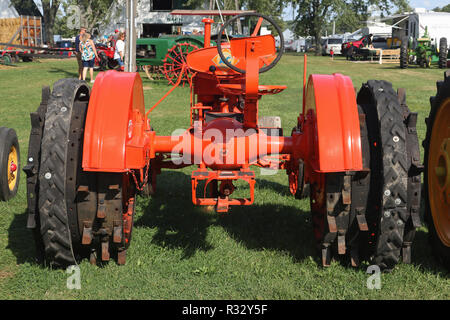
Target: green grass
(179,251)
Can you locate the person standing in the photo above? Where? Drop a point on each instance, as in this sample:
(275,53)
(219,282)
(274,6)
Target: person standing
(88,55)
(120,49)
(78,52)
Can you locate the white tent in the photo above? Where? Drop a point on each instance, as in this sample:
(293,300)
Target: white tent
(7,10)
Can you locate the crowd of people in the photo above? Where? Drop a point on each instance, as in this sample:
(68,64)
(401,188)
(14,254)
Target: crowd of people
(86,52)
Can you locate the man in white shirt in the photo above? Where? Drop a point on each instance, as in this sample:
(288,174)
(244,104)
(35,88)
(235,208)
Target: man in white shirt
(120,49)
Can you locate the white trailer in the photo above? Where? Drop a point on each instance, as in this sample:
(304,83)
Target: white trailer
(413,24)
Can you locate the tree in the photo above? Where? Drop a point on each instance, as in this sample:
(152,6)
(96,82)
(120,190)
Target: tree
(443,9)
(314,15)
(50,9)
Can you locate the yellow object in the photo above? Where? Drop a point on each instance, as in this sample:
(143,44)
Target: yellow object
(12,176)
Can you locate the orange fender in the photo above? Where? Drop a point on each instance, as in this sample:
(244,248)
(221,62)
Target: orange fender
(114,131)
(333,121)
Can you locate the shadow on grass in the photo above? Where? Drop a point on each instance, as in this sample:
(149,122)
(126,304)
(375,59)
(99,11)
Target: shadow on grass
(182,225)
(21,241)
(68,74)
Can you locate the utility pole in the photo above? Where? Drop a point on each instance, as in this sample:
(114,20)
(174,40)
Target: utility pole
(130,42)
(238,22)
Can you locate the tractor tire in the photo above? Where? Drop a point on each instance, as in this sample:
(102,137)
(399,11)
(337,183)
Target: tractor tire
(387,211)
(436,186)
(415,169)
(6,59)
(443,51)
(103,61)
(330,214)
(58,157)
(112,64)
(74,213)
(404,56)
(303,188)
(9,163)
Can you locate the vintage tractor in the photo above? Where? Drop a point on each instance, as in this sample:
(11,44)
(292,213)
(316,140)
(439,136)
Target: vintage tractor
(9,163)
(166,55)
(92,151)
(425,52)
(437,171)
(105,57)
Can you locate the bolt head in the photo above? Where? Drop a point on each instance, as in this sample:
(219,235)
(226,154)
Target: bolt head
(48,175)
(387,193)
(396,139)
(398,201)
(63,109)
(30,159)
(387,214)
(399,222)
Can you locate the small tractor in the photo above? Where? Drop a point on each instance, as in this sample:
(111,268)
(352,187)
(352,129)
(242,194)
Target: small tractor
(166,55)
(92,151)
(9,163)
(425,52)
(437,172)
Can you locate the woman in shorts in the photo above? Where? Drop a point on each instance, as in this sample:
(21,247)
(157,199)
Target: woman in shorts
(88,55)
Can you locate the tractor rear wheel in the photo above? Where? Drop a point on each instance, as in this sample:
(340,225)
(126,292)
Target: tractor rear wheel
(437,172)
(78,213)
(174,61)
(387,207)
(443,49)
(103,60)
(9,163)
(404,53)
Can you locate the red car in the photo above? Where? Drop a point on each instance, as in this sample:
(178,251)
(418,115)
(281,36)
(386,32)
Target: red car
(358,44)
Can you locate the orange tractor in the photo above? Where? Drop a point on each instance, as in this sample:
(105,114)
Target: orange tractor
(93,151)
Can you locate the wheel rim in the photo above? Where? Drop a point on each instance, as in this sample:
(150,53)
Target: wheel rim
(12,168)
(174,61)
(6,59)
(439,173)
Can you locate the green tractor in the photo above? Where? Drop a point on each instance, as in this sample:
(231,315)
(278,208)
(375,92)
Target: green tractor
(425,53)
(164,56)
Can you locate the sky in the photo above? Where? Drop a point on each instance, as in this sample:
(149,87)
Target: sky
(287,14)
(427,4)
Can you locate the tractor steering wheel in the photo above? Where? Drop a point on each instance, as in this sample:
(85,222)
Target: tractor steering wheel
(255,31)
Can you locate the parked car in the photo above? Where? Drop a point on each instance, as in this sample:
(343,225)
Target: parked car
(332,43)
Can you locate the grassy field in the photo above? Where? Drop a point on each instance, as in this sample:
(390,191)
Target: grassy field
(179,251)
